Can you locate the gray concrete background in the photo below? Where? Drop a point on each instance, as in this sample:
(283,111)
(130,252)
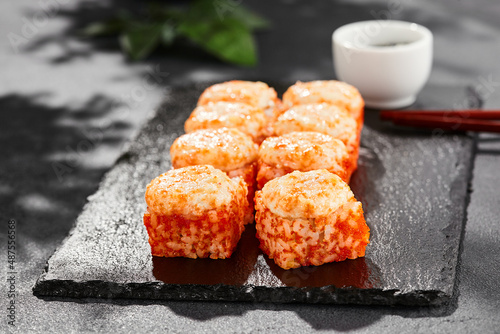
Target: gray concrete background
(74,103)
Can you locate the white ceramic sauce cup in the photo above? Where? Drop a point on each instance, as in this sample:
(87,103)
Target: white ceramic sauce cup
(388,61)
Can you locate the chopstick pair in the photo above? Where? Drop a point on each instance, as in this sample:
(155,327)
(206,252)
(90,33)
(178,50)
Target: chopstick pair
(459,120)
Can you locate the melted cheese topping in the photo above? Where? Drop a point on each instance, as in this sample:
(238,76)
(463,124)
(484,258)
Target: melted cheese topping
(225,149)
(305,195)
(323,118)
(192,191)
(257,94)
(303,151)
(248,119)
(325,91)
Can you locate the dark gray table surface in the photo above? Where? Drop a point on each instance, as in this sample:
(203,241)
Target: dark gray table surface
(67,107)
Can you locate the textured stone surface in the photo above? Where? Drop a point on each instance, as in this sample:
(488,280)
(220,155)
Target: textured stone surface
(413,186)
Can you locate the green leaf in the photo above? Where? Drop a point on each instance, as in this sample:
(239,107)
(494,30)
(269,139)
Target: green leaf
(140,40)
(110,27)
(203,10)
(168,33)
(159,12)
(229,40)
(113,26)
(250,19)
(231,9)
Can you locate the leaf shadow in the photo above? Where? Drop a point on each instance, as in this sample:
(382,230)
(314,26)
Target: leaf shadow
(47,169)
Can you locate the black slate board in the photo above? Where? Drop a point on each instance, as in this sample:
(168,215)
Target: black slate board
(413,186)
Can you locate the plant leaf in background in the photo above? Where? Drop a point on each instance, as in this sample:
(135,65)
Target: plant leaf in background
(223,28)
(111,27)
(229,40)
(168,33)
(251,20)
(140,40)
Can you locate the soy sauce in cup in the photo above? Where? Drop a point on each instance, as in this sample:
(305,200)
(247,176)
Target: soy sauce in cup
(388,61)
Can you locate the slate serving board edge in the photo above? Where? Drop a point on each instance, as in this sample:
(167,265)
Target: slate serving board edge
(282,295)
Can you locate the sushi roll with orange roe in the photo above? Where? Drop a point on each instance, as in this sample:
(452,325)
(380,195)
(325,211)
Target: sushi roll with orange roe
(213,115)
(326,119)
(229,150)
(310,218)
(333,92)
(254,93)
(195,211)
(303,151)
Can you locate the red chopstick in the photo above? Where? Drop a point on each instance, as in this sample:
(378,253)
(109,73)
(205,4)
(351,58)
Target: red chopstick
(463,120)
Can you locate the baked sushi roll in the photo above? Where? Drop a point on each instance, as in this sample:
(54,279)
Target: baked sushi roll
(195,211)
(302,151)
(227,149)
(254,93)
(323,118)
(214,115)
(333,92)
(309,218)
